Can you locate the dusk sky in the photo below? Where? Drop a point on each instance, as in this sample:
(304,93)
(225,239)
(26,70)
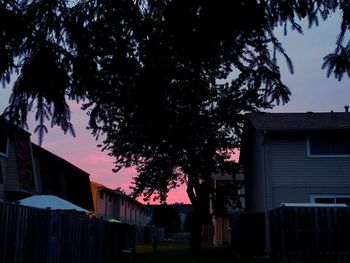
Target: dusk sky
(311,91)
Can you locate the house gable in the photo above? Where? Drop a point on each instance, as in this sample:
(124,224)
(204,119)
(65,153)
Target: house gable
(61,178)
(17,177)
(277,161)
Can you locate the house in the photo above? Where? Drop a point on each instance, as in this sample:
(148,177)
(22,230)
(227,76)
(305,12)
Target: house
(17,175)
(27,169)
(114,205)
(295,158)
(229,199)
(61,178)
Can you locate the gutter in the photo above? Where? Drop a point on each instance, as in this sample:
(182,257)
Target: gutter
(267,215)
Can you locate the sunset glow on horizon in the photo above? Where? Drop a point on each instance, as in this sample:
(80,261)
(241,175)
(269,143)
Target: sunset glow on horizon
(82,152)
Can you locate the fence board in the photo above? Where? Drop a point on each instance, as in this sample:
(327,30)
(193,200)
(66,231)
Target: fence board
(39,235)
(311,233)
(248,233)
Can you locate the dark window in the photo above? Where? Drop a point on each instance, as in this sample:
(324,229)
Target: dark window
(122,201)
(333,200)
(3,143)
(110,199)
(343,200)
(329,145)
(101,195)
(322,200)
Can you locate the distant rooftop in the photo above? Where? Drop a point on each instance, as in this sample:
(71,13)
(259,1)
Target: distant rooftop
(300,121)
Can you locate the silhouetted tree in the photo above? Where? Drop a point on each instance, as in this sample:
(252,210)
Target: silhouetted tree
(153,77)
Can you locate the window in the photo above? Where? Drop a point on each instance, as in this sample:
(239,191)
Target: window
(122,201)
(3,143)
(328,145)
(331,199)
(110,198)
(324,200)
(101,195)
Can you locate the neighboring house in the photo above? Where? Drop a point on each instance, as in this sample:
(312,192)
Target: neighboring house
(58,177)
(295,158)
(27,169)
(229,199)
(114,205)
(17,176)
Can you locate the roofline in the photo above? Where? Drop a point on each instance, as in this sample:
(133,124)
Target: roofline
(116,192)
(20,191)
(59,158)
(14,126)
(318,129)
(301,130)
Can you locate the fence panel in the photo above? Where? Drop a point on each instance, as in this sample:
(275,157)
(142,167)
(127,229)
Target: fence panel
(311,233)
(39,235)
(248,233)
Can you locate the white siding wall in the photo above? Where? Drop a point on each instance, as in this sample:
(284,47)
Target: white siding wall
(295,176)
(11,180)
(101,205)
(255,184)
(3,164)
(126,211)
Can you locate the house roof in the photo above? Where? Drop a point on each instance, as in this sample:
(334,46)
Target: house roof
(43,152)
(101,187)
(62,178)
(300,121)
(50,201)
(7,125)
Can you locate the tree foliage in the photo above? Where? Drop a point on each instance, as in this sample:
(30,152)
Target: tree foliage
(153,75)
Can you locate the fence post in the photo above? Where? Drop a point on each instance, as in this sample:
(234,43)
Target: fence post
(52,237)
(283,234)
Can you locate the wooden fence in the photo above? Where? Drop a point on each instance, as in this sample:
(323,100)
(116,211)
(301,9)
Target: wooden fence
(248,233)
(39,235)
(311,233)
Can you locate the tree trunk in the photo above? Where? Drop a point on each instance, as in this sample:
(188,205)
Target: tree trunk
(199,197)
(196,230)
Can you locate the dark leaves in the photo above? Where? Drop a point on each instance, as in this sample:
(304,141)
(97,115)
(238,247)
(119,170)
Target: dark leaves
(155,74)
(338,63)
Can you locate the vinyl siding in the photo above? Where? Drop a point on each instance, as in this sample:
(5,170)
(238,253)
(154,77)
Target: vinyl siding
(3,161)
(11,180)
(302,194)
(295,176)
(24,161)
(254,173)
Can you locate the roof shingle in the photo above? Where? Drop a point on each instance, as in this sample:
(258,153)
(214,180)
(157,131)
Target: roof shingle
(300,121)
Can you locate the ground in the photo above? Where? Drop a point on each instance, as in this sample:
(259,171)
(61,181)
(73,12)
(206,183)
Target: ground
(178,251)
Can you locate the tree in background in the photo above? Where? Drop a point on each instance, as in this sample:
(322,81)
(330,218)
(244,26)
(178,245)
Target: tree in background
(166,216)
(154,77)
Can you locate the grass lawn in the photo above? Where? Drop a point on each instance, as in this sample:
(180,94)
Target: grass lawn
(177,251)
